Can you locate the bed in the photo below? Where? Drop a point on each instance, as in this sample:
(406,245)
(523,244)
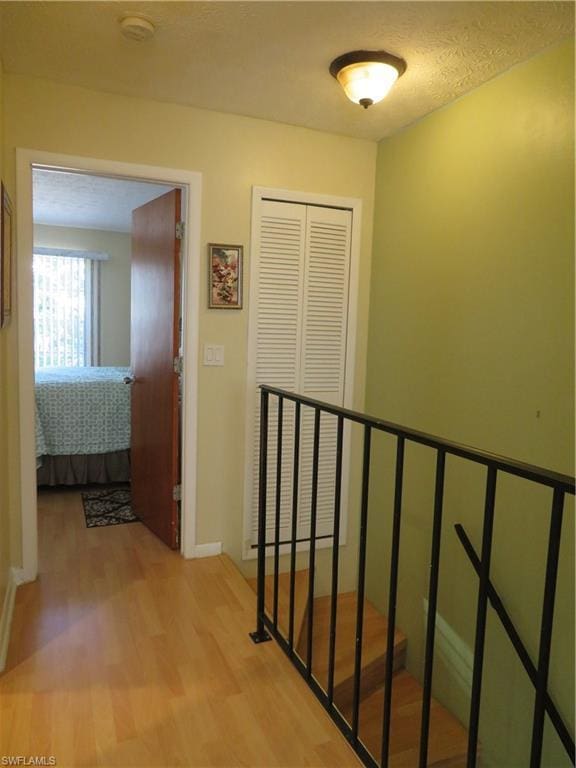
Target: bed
(82,425)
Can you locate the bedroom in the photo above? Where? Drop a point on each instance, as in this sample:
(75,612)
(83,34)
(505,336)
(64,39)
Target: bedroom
(83,355)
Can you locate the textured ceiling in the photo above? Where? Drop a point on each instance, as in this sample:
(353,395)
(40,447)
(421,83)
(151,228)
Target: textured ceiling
(270,59)
(89,202)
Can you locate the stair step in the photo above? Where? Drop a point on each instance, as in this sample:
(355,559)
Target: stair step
(374,640)
(300,600)
(448,741)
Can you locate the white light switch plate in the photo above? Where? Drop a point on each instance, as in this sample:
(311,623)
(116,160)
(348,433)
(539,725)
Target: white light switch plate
(213,354)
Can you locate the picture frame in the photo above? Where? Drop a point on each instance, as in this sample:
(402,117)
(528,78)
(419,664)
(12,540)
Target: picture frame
(6,239)
(225,276)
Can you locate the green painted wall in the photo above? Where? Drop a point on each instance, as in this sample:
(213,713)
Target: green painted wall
(471,336)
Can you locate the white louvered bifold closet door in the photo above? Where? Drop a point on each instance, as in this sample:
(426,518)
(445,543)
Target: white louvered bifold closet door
(299,301)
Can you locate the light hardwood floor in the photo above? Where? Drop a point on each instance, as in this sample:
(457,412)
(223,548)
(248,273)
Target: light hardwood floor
(124,654)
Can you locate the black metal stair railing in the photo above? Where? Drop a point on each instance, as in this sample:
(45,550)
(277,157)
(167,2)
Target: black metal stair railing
(267,627)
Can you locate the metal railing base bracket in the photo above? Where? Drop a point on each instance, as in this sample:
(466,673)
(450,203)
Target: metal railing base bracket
(260,637)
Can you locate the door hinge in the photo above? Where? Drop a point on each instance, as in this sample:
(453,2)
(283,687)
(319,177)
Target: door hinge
(177,493)
(180,230)
(178,365)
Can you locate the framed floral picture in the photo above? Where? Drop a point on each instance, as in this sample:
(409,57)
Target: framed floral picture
(6,237)
(224,276)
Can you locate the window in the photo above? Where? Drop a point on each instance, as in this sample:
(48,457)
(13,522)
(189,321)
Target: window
(65,304)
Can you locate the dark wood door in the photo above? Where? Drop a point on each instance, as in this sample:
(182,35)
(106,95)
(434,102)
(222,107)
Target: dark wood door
(155,339)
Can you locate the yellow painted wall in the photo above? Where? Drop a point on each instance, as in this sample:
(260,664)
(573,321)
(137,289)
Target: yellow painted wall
(4,490)
(9,437)
(472,337)
(114,282)
(233,153)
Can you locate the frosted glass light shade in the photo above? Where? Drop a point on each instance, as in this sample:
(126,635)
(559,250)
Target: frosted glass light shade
(368,81)
(367,76)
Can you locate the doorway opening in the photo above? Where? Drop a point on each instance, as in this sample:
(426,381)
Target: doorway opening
(106,388)
(127,367)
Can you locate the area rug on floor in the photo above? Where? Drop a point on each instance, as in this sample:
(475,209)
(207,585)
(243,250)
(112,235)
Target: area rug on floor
(108,506)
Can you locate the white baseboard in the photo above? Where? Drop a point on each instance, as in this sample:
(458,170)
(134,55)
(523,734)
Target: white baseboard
(454,652)
(15,578)
(24,576)
(208,550)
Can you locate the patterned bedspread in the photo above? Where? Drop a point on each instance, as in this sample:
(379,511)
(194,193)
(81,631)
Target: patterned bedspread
(82,410)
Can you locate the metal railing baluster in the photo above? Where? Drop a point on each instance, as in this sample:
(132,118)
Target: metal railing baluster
(432,601)
(392,598)
(294,527)
(312,561)
(335,558)
(361,584)
(546,627)
(490,499)
(278,505)
(260,635)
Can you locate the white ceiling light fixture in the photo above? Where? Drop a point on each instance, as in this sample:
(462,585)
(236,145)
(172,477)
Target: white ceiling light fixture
(367,76)
(137,28)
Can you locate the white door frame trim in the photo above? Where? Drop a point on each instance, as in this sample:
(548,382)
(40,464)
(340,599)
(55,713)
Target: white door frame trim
(191,182)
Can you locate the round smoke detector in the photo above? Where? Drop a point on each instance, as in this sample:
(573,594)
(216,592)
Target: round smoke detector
(137,28)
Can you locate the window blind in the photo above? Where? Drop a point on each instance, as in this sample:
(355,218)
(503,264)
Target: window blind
(63,292)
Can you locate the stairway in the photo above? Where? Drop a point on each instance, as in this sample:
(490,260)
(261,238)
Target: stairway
(448,738)
(373,647)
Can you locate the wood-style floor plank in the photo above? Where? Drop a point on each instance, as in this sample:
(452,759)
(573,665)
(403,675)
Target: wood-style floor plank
(124,654)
